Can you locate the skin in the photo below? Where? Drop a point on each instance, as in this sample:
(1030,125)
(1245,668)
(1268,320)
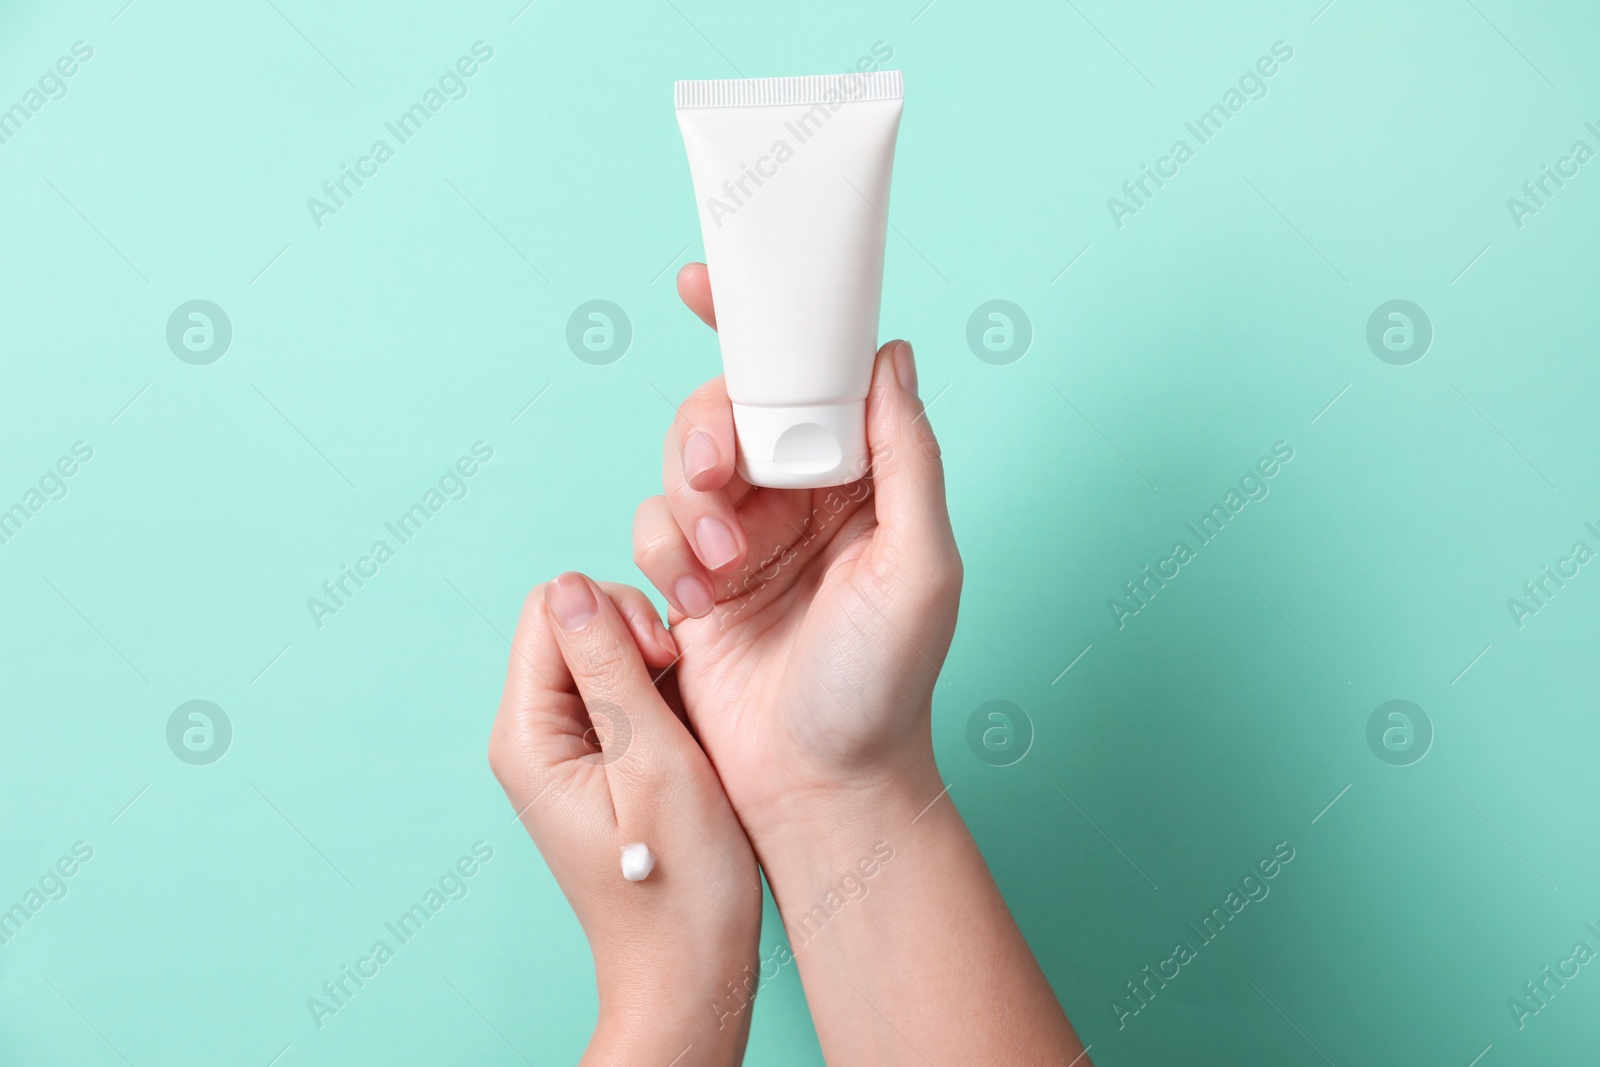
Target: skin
(594,758)
(812,626)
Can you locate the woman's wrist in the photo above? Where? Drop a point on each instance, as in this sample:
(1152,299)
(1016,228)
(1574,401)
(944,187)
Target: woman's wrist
(833,841)
(663,1013)
(794,802)
(646,1042)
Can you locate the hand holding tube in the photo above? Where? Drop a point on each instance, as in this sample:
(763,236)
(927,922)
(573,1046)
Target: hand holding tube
(812,622)
(813,625)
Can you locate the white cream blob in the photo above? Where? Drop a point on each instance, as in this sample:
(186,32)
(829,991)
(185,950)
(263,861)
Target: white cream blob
(637,862)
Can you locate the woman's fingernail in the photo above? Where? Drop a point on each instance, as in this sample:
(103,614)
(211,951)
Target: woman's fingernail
(664,639)
(715,542)
(905,367)
(571,601)
(699,454)
(694,596)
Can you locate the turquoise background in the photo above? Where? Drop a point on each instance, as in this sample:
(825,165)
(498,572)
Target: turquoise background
(424,316)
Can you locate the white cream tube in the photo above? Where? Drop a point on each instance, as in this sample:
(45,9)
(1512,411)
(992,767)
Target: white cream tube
(792,176)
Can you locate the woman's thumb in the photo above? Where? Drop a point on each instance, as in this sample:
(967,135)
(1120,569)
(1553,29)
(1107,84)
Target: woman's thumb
(907,471)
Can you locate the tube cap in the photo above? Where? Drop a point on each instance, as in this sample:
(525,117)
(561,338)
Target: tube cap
(808,447)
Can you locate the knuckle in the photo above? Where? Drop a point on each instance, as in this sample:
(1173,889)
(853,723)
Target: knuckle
(940,587)
(652,552)
(702,409)
(534,599)
(502,751)
(951,574)
(684,421)
(705,395)
(682,498)
(629,596)
(497,759)
(603,665)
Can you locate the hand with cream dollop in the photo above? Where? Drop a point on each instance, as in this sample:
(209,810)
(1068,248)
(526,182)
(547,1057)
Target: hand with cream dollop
(594,760)
(812,625)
